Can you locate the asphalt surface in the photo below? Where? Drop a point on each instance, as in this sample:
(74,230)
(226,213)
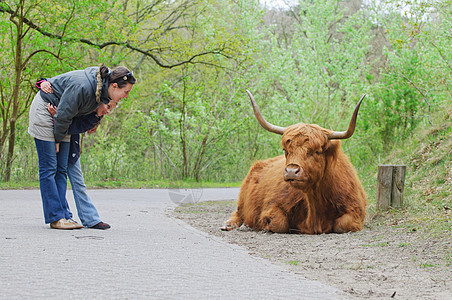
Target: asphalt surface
(145,255)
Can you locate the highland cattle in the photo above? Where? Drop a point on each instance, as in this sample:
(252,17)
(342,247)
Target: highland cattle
(313,188)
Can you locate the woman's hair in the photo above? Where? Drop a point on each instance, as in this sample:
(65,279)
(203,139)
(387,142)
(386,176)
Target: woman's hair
(119,75)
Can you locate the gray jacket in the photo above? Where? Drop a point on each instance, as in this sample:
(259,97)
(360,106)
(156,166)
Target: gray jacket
(74,93)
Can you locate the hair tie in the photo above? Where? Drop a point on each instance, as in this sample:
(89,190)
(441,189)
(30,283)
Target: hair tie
(125,77)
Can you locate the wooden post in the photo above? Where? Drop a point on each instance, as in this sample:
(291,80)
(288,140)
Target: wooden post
(391,182)
(384,187)
(398,186)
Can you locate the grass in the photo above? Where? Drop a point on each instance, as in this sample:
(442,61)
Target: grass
(12,185)
(293,262)
(128,184)
(428,265)
(384,244)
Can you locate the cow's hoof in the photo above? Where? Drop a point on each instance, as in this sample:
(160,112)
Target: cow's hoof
(226,228)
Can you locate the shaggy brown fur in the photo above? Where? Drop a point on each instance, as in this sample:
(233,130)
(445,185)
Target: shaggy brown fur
(313,189)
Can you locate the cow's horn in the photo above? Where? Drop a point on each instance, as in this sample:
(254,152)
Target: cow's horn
(267,126)
(340,135)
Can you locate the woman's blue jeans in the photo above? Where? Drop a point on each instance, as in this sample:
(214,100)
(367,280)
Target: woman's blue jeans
(53,180)
(87,212)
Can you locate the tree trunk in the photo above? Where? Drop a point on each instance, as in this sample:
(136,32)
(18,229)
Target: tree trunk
(15,97)
(10,155)
(197,167)
(183,138)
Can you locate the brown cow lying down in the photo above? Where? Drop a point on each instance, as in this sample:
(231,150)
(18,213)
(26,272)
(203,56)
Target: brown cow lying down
(311,189)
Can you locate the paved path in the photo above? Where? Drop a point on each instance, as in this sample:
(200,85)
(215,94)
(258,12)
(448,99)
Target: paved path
(145,255)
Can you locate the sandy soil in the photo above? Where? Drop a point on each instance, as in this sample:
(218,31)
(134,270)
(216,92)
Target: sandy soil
(381,261)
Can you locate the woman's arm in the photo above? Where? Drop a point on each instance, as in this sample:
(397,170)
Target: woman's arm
(79,124)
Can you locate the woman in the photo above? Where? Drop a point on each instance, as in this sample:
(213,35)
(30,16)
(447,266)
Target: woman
(75,93)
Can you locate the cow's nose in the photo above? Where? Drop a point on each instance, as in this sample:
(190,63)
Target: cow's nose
(292,172)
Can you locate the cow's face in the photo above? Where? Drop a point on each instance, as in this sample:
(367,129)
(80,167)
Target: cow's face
(307,152)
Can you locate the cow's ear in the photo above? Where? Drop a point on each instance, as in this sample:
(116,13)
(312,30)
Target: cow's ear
(331,148)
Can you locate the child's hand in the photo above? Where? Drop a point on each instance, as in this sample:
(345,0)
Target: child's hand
(46,87)
(93,130)
(52,109)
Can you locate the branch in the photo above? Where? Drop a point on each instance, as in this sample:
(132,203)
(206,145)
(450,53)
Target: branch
(441,54)
(423,95)
(160,63)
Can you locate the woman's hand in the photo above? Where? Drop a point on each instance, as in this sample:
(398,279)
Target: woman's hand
(52,109)
(46,87)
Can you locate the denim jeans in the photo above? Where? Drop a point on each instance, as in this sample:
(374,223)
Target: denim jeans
(53,180)
(87,212)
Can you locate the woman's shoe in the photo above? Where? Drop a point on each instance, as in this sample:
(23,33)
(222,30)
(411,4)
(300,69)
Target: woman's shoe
(101,225)
(76,225)
(64,224)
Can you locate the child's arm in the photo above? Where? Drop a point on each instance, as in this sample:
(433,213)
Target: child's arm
(79,124)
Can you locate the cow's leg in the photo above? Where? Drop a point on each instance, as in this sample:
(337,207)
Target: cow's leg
(235,221)
(348,222)
(275,220)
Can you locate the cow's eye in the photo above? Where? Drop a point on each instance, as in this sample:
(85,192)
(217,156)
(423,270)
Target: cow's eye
(312,153)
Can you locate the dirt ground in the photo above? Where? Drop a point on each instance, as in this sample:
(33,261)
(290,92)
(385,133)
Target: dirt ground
(381,261)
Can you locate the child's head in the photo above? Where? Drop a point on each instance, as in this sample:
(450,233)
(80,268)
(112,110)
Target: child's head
(104,109)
